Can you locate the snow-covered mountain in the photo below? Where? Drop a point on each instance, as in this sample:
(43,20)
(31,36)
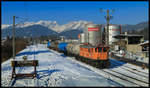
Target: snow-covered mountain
(69,30)
(4,26)
(53,25)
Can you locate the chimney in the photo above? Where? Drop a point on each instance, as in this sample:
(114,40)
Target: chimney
(126,38)
(126,33)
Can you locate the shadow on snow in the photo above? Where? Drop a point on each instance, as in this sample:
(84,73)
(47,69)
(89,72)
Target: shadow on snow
(32,52)
(115,63)
(46,73)
(63,55)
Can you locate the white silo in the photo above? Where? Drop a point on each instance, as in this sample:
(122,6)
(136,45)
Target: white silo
(113,31)
(93,34)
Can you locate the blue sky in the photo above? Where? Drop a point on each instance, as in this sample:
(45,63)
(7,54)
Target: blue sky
(126,12)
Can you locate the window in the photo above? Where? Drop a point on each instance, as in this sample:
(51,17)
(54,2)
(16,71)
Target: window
(104,50)
(88,49)
(95,49)
(100,49)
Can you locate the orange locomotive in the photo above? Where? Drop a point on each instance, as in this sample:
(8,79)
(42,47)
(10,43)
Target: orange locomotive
(96,56)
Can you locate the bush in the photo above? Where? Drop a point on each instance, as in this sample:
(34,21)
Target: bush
(7,50)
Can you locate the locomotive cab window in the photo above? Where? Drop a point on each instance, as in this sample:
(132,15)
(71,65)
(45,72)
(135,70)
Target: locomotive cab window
(100,49)
(104,49)
(89,50)
(96,49)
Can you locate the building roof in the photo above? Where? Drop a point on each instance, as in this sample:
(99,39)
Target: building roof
(128,35)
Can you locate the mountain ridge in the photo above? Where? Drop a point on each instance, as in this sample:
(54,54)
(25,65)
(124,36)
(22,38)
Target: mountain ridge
(53,25)
(71,29)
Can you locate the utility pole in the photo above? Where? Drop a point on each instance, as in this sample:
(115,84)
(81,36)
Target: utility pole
(13,42)
(13,35)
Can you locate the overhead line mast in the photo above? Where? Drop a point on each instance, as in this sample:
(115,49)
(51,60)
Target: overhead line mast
(108,18)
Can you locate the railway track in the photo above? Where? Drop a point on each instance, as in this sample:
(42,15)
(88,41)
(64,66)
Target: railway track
(137,77)
(134,71)
(132,80)
(129,68)
(134,62)
(128,74)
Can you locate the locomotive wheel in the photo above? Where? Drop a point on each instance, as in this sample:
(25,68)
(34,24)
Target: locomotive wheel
(105,64)
(81,59)
(89,62)
(101,65)
(108,64)
(97,63)
(86,61)
(93,63)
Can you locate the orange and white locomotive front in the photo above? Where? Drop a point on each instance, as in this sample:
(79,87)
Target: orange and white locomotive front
(95,53)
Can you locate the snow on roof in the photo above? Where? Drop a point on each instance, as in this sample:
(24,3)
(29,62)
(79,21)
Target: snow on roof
(146,42)
(129,35)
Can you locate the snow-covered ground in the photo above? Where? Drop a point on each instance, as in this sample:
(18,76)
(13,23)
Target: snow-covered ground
(54,69)
(136,57)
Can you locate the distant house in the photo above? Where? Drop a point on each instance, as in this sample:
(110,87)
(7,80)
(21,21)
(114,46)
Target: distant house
(130,38)
(132,42)
(145,48)
(2,41)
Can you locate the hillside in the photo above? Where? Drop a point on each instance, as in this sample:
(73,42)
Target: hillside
(34,31)
(137,27)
